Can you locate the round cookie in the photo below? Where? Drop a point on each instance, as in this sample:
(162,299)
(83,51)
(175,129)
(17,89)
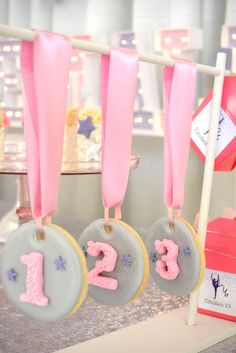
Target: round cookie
(117,262)
(177,261)
(46,279)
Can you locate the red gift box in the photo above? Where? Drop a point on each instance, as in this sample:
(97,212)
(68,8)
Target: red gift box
(217,296)
(226,139)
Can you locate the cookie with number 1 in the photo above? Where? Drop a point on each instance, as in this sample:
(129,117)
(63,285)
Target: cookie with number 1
(47,278)
(43,270)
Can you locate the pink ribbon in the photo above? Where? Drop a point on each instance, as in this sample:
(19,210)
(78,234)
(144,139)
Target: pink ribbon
(45,67)
(118,91)
(178,89)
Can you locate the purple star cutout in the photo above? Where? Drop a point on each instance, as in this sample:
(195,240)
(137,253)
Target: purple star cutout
(186,251)
(11,275)
(128,40)
(153,257)
(60,264)
(126,260)
(86,127)
(145,115)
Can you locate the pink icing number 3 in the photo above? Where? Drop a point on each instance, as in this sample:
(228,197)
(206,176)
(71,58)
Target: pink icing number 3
(34,279)
(106,264)
(167,267)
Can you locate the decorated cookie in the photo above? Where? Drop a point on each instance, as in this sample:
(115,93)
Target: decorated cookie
(117,262)
(177,260)
(44,276)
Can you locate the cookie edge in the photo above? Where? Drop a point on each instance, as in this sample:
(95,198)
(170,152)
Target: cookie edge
(201,252)
(76,246)
(146,259)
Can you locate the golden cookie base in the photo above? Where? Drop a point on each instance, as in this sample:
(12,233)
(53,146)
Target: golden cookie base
(201,252)
(83,265)
(145,255)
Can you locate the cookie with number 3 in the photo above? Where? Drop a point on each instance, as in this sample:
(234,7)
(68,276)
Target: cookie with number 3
(46,279)
(117,262)
(177,260)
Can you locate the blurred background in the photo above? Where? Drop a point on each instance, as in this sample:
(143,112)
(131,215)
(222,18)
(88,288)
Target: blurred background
(133,24)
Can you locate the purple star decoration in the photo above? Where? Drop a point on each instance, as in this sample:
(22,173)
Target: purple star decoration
(144,121)
(186,251)
(11,275)
(126,260)
(60,263)
(86,127)
(153,257)
(127,40)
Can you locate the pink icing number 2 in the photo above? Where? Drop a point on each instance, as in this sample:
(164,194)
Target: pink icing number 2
(106,264)
(34,279)
(167,267)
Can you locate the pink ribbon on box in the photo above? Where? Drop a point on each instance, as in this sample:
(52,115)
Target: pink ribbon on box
(118,92)
(178,89)
(45,67)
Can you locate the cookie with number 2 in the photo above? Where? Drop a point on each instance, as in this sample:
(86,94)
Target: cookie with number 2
(46,279)
(117,262)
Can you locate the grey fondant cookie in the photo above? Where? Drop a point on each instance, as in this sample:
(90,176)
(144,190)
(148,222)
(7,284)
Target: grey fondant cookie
(176,257)
(117,262)
(45,279)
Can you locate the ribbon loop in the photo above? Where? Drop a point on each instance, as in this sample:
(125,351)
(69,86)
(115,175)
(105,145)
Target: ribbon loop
(172,213)
(178,90)
(118,91)
(39,223)
(45,70)
(106,215)
(118,213)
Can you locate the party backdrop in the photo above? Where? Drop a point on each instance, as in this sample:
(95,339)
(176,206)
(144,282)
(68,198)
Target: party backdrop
(80,196)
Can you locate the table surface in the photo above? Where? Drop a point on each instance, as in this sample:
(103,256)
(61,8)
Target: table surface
(14,160)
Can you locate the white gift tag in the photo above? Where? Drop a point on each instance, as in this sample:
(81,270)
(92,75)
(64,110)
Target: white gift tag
(218,292)
(200,130)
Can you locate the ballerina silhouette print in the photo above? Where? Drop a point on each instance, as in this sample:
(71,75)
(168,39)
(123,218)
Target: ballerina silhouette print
(219,129)
(216,284)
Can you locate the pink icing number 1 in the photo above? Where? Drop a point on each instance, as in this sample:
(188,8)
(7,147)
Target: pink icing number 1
(167,267)
(106,264)
(34,279)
